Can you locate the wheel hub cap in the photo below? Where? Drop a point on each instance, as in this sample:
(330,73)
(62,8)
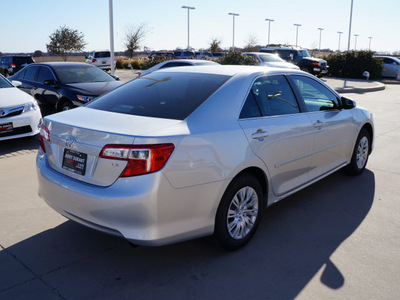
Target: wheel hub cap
(242,213)
(362,152)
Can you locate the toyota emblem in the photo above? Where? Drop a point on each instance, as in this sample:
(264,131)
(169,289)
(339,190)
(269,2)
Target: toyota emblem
(70,142)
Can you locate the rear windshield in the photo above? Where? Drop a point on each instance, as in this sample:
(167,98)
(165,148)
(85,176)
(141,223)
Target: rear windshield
(22,60)
(161,95)
(102,54)
(80,74)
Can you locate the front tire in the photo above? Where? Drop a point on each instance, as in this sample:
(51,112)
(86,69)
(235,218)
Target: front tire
(360,155)
(66,105)
(239,212)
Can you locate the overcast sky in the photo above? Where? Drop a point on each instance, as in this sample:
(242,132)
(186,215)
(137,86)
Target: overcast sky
(27,24)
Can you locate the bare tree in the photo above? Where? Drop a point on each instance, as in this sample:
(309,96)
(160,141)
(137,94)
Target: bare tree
(133,37)
(65,40)
(251,43)
(215,45)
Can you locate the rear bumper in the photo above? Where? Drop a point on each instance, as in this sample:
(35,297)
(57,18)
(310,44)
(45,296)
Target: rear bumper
(145,209)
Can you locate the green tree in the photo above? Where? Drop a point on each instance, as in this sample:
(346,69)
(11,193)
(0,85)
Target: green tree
(215,45)
(236,58)
(65,40)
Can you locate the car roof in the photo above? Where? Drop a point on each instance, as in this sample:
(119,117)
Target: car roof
(63,63)
(229,70)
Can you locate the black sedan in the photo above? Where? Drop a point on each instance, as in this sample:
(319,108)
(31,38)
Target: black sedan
(63,85)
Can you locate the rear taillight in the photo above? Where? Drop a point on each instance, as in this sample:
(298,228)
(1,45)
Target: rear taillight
(94,60)
(44,134)
(142,159)
(13,66)
(140,73)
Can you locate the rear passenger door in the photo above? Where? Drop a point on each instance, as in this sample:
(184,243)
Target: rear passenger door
(278,132)
(334,129)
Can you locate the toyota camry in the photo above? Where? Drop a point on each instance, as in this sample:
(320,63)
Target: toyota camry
(188,152)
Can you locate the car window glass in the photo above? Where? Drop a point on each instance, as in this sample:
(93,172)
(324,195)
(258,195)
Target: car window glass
(174,64)
(387,60)
(250,108)
(4,83)
(30,73)
(274,96)
(315,95)
(161,95)
(102,54)
(80,74)
(45,74)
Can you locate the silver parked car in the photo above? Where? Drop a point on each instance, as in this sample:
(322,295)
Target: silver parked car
(178,63)
(188,152)
(391,66)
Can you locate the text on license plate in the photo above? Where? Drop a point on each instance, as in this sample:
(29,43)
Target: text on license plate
(6,127)
(74,161)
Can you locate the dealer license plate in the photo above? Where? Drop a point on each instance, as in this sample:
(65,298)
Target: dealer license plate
(74,161)
(6,127)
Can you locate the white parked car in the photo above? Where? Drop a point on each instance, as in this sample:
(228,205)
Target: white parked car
(177,63)
(100,59)
(391,66)
(271,60)
(188,152)
(19,112)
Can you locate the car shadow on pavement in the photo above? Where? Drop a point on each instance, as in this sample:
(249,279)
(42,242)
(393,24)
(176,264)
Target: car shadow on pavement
(19,146)
(296,238)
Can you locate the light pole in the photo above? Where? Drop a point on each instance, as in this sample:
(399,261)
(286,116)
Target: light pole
(351,17)
(269,27)
(355,42)
(297,32)
(188,9)
(233,39)
(340,34)
(320,34)
(370,38)
(110,10)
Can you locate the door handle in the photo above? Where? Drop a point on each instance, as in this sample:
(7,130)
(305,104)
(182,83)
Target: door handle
(318,124)
(260,134)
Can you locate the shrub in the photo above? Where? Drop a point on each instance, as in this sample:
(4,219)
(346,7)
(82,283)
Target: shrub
(154,61)
(353,64)
(236,58)
(119,62)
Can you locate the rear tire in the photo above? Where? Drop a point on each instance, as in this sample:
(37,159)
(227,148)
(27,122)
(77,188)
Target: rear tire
(360,155)
(239,212)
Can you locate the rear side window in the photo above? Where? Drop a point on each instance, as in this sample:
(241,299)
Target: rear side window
(161,95)
(274,97)
(30,73)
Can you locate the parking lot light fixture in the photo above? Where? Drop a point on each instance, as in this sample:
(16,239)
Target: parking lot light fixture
(355,42)
(297,32)
(269,27)
(233,39)
(188,16)
(351,17)
(370,38)
(110,9)
(340,34)
(320,35)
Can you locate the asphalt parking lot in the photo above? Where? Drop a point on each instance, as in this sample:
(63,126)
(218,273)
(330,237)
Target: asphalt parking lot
(337,239)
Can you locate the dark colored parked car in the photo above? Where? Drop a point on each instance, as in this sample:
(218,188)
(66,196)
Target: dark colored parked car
(63,85)
(183,54)
(299,57)
(11,64)
(168,54)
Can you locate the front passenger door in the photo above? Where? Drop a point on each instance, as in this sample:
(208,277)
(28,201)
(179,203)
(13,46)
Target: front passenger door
(333,127)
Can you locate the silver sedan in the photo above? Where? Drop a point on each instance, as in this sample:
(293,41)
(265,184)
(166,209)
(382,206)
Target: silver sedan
(188,152)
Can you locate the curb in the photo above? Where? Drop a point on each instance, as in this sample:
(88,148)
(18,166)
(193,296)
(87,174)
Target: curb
(377,87)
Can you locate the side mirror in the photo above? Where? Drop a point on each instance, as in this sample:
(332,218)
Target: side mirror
(52,82)
(348,103)
(49,82)
(16,83)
